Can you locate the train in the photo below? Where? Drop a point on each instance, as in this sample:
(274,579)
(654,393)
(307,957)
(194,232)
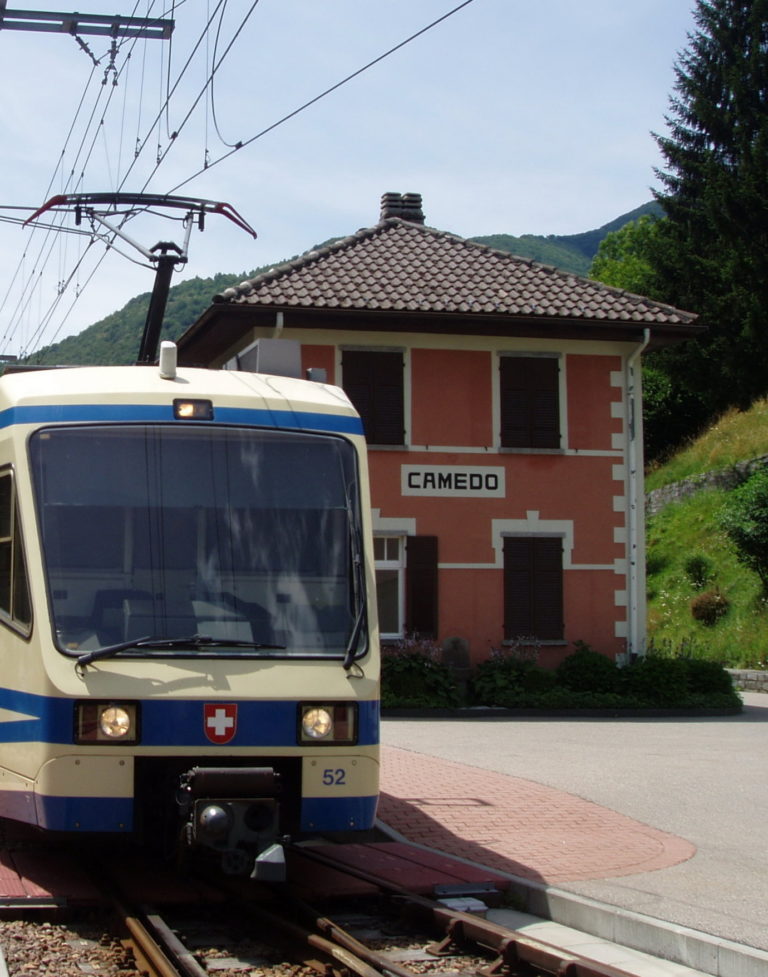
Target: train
(189,652)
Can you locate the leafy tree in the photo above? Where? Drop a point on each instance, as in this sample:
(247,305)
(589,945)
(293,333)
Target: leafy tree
(624,257)
(744,518)
(711,253)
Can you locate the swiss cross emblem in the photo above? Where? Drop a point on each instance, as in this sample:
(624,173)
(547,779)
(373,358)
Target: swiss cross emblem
(220,721)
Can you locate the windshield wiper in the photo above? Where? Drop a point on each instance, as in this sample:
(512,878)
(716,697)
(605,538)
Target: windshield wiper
(351,652)
(158,644)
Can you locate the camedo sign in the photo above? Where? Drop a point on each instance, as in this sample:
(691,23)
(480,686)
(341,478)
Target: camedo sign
(456,481)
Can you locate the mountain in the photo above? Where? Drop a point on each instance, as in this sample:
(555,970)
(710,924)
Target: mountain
(115,339)
(570,252)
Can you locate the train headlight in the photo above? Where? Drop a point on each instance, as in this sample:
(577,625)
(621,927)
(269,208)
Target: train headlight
(115,722)
(316,723)
(106,722)
(328,722)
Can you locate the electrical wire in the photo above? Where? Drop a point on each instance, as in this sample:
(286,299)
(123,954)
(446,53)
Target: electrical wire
(164,109)
(313,101)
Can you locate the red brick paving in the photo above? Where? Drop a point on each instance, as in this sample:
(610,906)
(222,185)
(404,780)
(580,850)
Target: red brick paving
(514,825)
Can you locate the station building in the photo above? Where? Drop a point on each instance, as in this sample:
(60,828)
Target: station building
(501,401)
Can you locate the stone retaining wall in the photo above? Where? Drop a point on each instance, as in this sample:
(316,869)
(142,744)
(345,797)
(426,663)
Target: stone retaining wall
(749,679)
(726,478)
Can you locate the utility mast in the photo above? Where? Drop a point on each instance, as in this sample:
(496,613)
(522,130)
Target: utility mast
(101,209)
(106,25)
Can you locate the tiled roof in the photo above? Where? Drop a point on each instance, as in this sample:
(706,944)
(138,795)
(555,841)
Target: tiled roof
(400,266)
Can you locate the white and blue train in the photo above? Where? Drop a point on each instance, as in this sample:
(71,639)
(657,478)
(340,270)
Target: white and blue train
(188,643)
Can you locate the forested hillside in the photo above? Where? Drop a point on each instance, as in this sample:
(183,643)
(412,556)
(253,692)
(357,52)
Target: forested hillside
(115,339)
(571,252)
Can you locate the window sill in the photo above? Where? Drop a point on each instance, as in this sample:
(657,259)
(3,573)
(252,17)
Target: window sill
(531,451)
(535,642)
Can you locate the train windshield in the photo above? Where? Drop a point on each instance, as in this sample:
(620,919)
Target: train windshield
(211,541)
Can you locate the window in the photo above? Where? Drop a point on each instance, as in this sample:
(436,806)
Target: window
(388,554)
(14,590)
(373,380)
(406,585)
(530,401)
(259,548)
(533,587)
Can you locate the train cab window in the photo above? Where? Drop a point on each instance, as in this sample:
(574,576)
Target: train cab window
(15,605)
(246,537)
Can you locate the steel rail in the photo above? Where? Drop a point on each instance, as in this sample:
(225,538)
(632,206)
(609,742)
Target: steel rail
(511,946)
(338,935)
(183,958)
(299,934)
(145,947)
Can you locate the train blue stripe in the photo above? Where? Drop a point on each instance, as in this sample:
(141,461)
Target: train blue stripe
(84,813)
(172,722)
(338,814)
(116,813)
(158,413)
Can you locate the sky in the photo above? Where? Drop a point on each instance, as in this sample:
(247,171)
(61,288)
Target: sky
(507,117)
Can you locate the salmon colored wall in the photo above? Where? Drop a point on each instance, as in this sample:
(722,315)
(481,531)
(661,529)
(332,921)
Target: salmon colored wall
(320,356)
(556,486)
(451,404)
(472,607)
(451,397)
(590,396)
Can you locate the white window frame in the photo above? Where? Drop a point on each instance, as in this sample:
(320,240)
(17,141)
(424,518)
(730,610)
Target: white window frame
(397,565)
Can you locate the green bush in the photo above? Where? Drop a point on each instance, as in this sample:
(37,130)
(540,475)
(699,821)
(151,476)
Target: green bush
(504,680)
(698,570)
(707,677)
(709,607)
(654,681)
(744,517)
(587,671)
(413,677)
(416,680)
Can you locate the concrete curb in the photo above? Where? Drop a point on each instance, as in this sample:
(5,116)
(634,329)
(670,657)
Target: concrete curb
(658,938)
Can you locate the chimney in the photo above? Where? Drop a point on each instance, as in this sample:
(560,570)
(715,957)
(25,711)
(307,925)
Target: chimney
(406,206)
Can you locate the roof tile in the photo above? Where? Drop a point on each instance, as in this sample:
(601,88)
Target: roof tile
(401,266)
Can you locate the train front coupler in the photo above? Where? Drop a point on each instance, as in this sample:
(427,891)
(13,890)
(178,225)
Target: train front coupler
(234,811)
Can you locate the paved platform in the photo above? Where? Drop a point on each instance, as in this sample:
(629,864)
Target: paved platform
(516,825)
(655,827)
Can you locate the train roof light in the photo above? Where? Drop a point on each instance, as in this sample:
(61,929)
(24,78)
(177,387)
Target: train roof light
(192,410)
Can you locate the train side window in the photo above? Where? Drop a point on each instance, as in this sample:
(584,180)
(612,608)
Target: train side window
(14,590)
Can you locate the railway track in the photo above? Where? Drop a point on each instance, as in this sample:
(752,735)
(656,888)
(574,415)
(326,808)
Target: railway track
(399,934)
(238,928)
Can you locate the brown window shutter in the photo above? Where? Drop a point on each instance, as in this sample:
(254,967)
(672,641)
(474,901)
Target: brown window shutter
(374,383)
(421,586)
(533,588)
(530,404)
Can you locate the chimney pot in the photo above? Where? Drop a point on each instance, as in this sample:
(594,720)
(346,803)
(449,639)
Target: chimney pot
(406,206)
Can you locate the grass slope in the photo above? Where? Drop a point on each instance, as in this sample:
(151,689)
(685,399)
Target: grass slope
(689,529)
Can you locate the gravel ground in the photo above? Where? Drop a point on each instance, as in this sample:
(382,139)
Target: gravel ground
(44,949)
(74,949)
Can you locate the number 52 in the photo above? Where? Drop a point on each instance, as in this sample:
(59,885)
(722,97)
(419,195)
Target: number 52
(334,778)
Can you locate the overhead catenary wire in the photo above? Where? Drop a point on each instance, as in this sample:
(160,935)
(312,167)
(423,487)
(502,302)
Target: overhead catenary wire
(76,174)
(312,101)
(83,157)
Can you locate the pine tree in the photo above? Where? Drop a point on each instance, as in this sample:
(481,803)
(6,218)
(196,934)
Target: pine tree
(711,255)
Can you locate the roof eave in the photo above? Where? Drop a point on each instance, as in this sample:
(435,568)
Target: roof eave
(224,325)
